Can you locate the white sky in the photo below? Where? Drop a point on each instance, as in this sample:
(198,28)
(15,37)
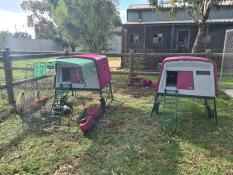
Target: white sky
(123,15)
(14,21)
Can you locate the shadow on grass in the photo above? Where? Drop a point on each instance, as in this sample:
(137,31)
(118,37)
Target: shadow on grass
(17,138)
(120,85)
(127,141)
(217,140)
(199,130)
(205,144)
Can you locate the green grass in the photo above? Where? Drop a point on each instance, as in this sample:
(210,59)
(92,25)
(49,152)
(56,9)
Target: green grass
(227,82)
(125,141)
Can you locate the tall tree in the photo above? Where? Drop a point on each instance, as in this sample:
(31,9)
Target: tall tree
(198,10)
(22,35)
(85,22)
(2,39)
(40,19)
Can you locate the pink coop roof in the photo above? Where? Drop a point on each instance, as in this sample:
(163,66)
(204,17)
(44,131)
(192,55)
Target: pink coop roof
(186,58)
(102,65)
(92,56)
(190,58)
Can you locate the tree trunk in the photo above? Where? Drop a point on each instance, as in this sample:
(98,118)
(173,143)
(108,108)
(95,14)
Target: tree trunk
(199,37)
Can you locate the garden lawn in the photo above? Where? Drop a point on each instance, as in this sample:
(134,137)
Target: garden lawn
(126,140)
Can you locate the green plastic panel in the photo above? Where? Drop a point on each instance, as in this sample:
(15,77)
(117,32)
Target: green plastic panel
(41,69)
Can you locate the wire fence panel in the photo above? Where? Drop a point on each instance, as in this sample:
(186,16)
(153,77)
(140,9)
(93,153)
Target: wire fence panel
(22,68)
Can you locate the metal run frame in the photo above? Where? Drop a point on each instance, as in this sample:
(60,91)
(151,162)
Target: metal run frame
(56,107)
(211,113)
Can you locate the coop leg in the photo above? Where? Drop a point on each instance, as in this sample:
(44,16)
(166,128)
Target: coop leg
(206,102)
(110,86)
(155,103)
(50,122)
(59,120)
(102,101)
(68,123)
(207,108)
(215,111)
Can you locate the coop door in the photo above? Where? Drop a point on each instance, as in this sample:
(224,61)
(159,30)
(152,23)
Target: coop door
(185,80)
(171,79)
(77,76)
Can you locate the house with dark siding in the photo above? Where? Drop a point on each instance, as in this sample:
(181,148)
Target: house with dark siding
(148,30)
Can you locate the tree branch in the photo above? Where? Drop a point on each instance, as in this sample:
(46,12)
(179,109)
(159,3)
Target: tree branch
(190,12)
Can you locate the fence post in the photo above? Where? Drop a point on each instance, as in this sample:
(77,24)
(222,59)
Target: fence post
(131,62)
(8,77)
(66,52)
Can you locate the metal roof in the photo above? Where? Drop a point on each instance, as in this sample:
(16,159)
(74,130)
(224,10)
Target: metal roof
(181,22)
(217,15)
(140,6)
(148,6)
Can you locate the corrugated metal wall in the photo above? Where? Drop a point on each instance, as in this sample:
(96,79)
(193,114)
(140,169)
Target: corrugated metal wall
(27,44)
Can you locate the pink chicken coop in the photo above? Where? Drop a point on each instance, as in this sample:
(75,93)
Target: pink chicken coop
(87,72)
(185,76)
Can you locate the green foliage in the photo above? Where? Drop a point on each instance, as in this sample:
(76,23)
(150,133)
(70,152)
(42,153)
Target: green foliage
(87,23)
(2,37)
(40,19)
(22,35)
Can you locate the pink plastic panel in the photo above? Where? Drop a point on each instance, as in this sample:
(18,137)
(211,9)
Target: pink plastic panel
(76,75)
(94,111)
(103,72)
(185,80)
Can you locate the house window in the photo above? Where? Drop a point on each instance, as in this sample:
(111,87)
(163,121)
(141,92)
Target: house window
(66,74)
(140,17)
(183,36)
(157,38)
(182,40)
(134,39)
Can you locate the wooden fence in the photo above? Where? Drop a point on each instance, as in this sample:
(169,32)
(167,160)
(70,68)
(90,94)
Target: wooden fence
(9,56)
